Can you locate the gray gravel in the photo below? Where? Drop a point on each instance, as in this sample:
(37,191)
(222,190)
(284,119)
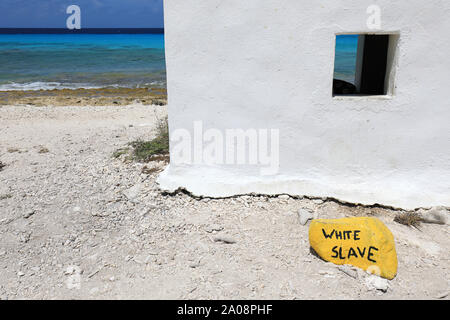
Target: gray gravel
(77,223)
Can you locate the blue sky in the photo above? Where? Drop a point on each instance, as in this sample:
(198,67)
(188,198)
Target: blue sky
(94,13)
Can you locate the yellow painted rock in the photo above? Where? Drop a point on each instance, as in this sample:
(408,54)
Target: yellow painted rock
(363,242)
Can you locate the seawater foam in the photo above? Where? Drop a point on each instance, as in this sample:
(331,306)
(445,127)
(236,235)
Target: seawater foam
(39,85)
(35,86)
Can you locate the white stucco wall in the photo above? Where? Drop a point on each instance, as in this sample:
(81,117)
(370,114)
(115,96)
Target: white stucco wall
(269,64)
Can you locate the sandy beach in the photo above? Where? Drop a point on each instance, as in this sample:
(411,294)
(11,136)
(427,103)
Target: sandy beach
(75,222)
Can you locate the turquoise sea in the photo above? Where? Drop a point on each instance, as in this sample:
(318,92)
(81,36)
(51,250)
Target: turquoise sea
(49,61)
(345,58)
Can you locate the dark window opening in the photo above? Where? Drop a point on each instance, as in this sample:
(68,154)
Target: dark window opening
(363,64)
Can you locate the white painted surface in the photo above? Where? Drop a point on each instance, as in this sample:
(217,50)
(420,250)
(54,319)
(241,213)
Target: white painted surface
(269,64)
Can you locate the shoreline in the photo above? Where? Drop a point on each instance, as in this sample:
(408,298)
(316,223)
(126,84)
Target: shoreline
(85,97)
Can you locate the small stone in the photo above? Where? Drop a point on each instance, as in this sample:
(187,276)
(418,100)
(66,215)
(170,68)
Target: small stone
(25,237)
(213,227)
(304,215)
(284,197)
(363,242)
(224,239)
(20,274)
(317,201)
(349,271)
(28,213)
(133,192)
(194,264)
(93,273)
(436,215)
(72,270)
(443,295)
(377,283)
(144,212)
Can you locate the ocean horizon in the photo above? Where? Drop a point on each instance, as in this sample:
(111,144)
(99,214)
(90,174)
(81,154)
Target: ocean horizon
(81,31)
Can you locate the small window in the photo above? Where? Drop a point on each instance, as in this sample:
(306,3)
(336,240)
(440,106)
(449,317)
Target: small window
(363,64)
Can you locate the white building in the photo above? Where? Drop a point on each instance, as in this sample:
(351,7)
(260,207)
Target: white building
(266,67)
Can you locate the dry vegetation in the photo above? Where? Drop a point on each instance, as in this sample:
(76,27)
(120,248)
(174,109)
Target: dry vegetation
(156,149)
(411,219)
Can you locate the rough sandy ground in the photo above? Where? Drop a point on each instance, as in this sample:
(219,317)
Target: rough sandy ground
(77,223)
(84,97)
